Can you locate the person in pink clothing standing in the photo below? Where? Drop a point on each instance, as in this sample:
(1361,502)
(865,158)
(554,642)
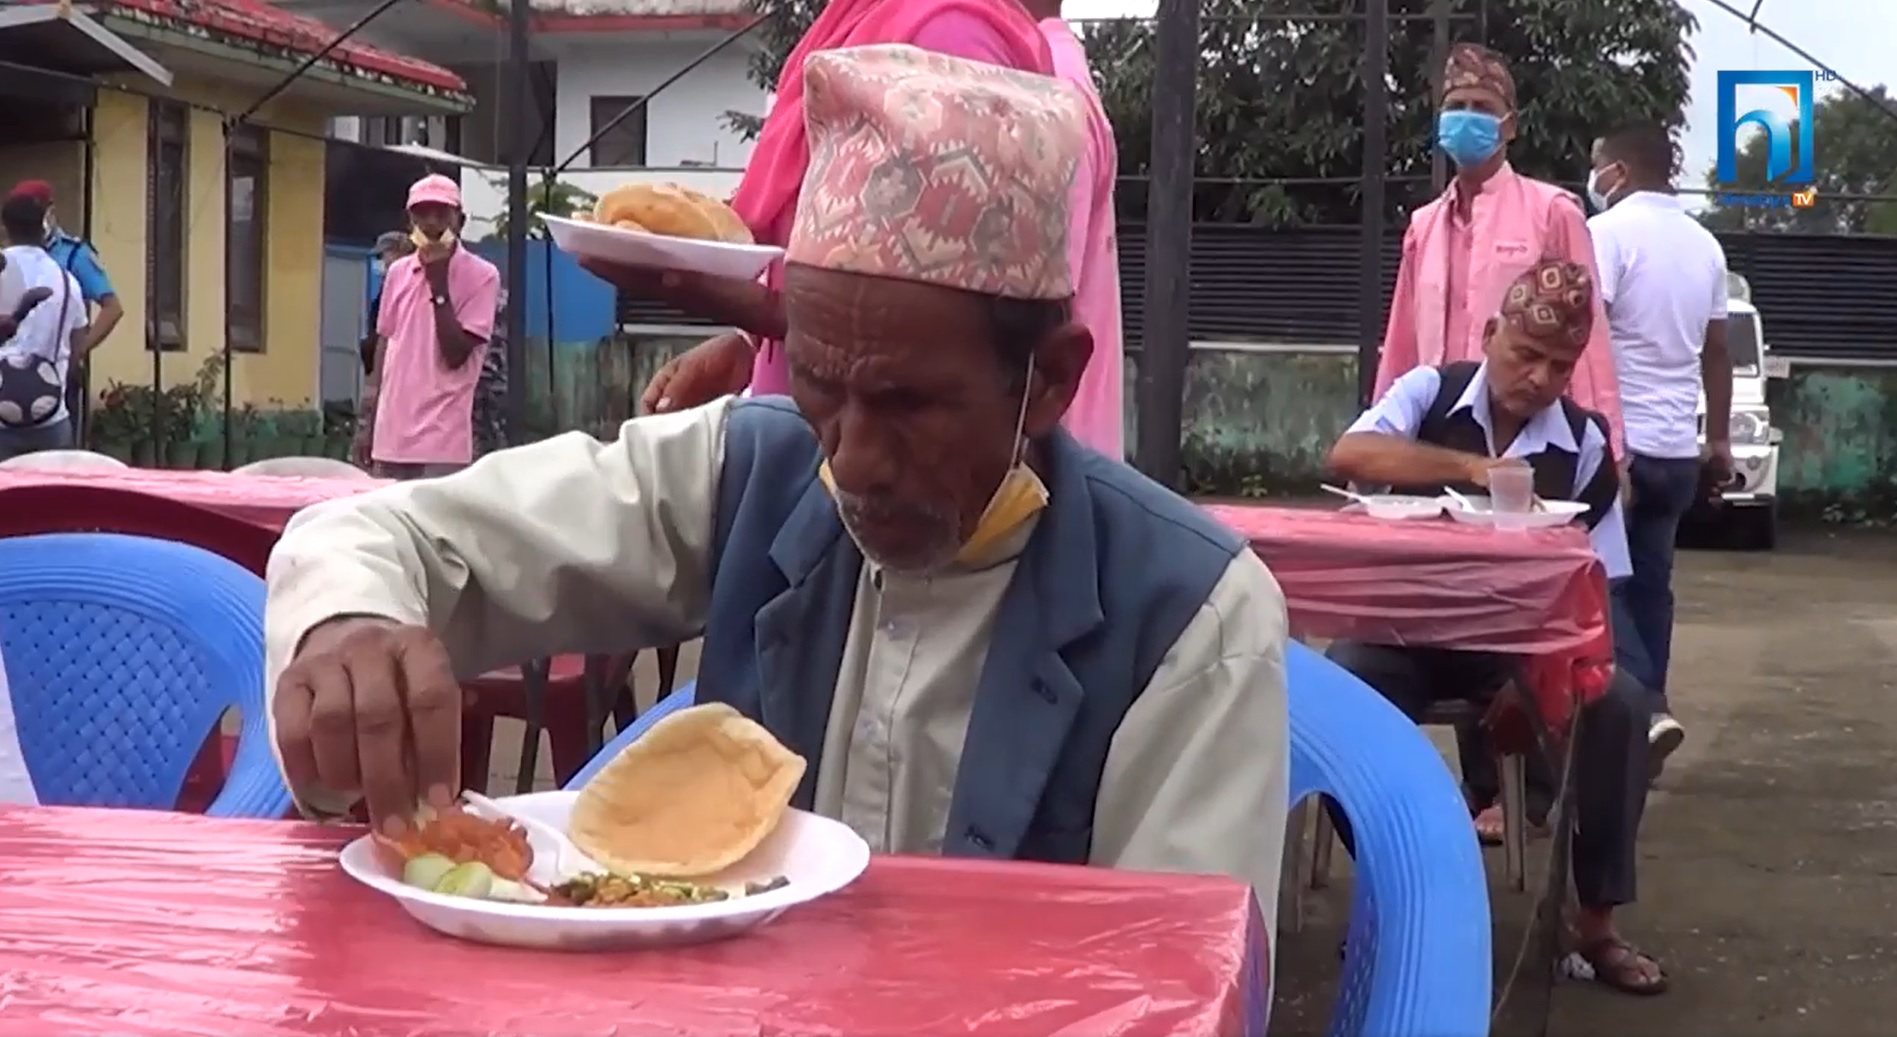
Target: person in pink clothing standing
(997,32)
(1462,250)
(752,356)
(432,328)
(1097,416)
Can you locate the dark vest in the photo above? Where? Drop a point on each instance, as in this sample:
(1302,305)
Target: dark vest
(1084,623)
(1554,467)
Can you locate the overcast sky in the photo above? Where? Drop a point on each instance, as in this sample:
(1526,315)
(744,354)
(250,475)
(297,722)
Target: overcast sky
(1854,37)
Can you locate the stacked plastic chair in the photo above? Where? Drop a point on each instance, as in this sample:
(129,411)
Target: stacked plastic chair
(672,703)
(1417,958)
(121,654)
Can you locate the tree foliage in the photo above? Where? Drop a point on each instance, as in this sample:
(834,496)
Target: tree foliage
(1855,152)
(785,22)
(1281,98)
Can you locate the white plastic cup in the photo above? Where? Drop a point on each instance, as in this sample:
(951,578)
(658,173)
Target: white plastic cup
(1511,495)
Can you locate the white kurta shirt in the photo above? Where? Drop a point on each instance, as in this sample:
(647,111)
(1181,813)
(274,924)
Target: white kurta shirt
(572,545)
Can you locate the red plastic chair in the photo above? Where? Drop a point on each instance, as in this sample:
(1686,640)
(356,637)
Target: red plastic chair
(573,713)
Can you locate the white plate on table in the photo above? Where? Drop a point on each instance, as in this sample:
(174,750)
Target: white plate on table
(817,855)
(659,251)
(1395,507)
(1480,513)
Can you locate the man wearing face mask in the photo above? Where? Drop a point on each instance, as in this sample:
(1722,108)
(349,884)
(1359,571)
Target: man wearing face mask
(391,246)
(1663,279)
(906,570)
(1462,250)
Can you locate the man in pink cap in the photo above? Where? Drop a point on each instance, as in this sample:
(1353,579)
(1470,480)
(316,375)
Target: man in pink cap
(908,571)
(432,328)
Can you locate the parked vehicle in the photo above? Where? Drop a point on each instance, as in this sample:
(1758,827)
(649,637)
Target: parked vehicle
(1747,511)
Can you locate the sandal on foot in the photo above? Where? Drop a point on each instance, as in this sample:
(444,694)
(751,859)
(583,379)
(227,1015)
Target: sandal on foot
(1489,828)
(1615,963)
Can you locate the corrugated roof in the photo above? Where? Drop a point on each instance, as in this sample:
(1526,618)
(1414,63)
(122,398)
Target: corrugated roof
(255,21)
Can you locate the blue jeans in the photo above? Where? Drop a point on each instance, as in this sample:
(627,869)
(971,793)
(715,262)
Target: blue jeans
(17,441)
(1663,489)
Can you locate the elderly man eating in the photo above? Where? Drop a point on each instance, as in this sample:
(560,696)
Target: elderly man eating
(988,640)
(1451,427)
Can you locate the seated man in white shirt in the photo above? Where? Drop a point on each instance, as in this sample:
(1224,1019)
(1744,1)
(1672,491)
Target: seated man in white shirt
(1450,427)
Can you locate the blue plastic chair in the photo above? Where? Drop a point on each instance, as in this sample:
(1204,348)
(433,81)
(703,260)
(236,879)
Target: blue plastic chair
(672,703)
(1417,951)
(121,654)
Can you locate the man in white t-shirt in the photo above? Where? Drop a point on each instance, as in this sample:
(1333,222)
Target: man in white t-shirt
(49,335)
(1663,281)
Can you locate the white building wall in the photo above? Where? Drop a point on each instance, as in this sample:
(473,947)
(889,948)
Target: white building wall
(687,141)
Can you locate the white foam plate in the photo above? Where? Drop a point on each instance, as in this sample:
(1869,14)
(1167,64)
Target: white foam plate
(1396,507)
(1480,513)
(817,855)
(659,251)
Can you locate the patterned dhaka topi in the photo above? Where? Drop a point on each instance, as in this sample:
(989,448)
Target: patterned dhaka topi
(1553,301)
(1473,65)
(934,169)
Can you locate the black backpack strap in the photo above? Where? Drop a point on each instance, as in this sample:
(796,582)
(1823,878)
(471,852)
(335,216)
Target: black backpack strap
(1455,381)
(1603,488)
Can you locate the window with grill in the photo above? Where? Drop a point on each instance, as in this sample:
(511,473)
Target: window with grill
(245,208)
(625,143)
(168,150)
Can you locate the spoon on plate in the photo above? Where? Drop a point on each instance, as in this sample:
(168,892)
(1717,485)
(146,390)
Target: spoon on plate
(1348,495)
(1461,501)
(568,859)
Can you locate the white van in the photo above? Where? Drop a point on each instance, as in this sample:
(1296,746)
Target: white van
(1749,507)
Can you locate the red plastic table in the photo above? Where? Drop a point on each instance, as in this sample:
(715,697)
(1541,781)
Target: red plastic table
(264,500)
(117,922)
(1541,594)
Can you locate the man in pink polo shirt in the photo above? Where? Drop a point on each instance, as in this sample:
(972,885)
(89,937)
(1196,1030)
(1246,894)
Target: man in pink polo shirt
(432,329)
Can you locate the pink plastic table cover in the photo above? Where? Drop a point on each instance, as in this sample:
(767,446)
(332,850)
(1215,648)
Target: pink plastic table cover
(264,500)
(1541,594)
(158,924)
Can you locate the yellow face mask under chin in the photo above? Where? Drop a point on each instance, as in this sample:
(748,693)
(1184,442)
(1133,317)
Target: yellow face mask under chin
(1019,498)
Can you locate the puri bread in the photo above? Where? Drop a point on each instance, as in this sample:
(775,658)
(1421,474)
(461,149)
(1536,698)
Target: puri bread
(420,240)
(672,210)
(693,796)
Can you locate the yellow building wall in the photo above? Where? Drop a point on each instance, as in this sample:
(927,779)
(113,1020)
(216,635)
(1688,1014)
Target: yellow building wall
(285,373)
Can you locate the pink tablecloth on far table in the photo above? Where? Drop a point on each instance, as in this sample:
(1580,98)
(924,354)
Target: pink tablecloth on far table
(116,922)
(263,500)
(1540,594)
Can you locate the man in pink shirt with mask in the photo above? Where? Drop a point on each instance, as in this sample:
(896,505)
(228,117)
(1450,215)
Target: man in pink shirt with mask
(1462,250)
(432,329)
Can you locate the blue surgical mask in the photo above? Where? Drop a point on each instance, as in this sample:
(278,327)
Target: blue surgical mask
(1468,137)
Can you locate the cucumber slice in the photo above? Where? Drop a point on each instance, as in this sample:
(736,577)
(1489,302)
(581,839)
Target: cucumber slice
(472,879)
(427,870)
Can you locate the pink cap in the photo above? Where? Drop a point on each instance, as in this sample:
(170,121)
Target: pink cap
(935,169)
(434,188)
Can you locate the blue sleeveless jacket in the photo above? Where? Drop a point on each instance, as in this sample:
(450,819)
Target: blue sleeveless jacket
(1115,569)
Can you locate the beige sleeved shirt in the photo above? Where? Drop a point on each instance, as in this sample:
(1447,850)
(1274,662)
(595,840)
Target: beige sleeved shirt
(573,545)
